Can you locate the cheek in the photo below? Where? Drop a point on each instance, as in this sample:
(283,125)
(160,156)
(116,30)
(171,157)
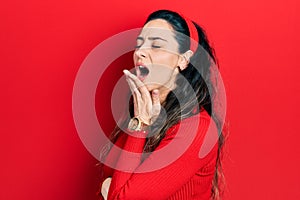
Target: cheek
(162,71)
(166,59)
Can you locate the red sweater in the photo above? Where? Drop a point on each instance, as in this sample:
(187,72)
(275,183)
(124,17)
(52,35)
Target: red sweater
(187,177)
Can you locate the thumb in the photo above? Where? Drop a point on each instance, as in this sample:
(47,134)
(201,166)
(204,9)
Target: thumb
(155,104)
(155,97)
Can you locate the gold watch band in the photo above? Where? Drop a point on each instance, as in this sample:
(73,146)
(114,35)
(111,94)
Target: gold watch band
(136,124)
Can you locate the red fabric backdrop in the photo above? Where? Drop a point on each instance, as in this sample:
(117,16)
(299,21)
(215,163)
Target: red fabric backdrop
(43,44)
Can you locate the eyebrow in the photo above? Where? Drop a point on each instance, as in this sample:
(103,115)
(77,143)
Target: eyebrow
(151,38)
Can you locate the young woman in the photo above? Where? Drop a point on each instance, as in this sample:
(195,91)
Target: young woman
(171,113)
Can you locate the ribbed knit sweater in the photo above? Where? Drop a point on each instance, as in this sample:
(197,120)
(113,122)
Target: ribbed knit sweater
(179,171)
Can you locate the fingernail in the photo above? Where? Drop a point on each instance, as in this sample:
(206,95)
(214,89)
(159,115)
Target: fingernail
(125,71)
(155,92)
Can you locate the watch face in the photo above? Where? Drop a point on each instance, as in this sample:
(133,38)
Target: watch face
(133,124)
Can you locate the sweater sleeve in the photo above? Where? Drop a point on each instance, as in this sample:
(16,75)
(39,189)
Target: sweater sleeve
(140,181)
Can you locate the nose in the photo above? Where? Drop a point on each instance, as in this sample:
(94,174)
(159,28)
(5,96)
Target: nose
(140,53)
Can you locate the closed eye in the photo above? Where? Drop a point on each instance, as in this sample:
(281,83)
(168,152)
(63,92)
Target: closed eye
(155,42)
(155,46)
(139,42)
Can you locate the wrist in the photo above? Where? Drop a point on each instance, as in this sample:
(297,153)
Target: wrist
(136,124)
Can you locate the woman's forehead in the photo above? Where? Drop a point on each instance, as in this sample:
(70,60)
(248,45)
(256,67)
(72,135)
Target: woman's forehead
(157,28)
(158,23)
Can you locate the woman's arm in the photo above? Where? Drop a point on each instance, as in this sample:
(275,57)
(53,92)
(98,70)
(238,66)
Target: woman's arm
(161,183)
(110,163)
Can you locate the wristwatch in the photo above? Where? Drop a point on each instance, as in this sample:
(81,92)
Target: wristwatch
(135,124)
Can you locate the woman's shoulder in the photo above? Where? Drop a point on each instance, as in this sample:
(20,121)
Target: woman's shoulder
(202,115)
(199,129)
(194,126)
(197,135)
(199,121)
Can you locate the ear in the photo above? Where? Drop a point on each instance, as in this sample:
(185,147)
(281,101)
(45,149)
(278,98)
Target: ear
(184,59)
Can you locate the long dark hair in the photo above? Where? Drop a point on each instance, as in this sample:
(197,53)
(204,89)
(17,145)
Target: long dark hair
(194,80)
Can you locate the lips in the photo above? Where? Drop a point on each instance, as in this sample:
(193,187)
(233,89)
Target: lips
(142,71)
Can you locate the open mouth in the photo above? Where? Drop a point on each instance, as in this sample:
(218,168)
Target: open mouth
(142,71)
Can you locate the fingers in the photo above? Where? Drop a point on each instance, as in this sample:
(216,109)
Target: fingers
(136,95)
(105,187)
(138,84)
(133,87)
(133,77)
(147,106)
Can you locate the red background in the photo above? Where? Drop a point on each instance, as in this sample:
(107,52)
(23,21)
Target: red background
(43,44)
